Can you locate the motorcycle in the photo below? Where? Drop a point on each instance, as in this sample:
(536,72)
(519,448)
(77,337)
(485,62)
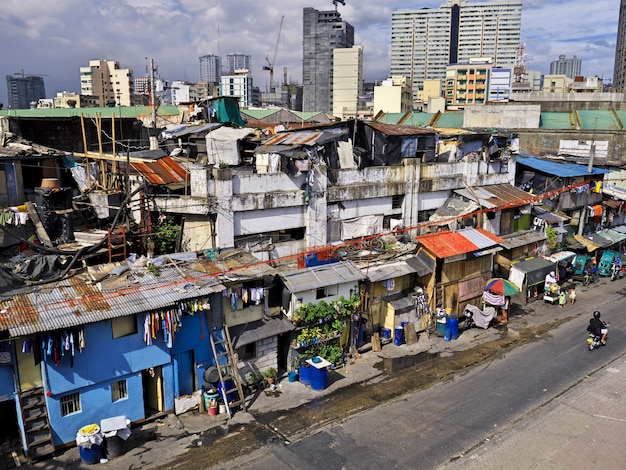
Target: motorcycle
(617,272)
(594,341)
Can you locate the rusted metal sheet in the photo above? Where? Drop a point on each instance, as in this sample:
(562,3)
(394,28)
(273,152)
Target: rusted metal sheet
(164,171)
(447,244)
(393,129)
(294,138)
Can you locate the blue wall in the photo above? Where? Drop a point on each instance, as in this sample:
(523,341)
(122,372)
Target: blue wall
(7,384)
(96,404)
(104,359)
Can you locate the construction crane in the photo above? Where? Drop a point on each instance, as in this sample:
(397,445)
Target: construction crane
(24,74)
(335,2)
(270,65)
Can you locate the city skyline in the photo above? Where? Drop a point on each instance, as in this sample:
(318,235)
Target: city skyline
(54,39)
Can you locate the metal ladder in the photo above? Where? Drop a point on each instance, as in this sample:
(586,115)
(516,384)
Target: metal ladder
(227,367)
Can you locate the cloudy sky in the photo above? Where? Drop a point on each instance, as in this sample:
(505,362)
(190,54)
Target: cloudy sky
(54,38)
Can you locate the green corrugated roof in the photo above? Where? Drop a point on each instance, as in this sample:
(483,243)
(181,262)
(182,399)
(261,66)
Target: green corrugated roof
(555,121)
(418,119)
(598,120)
(451,120)
(308,115)
(259,113)
(391,118)
(118,111)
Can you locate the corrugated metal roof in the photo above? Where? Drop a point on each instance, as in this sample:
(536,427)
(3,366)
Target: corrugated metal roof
(181,130)
(74,301)
(294,138)
(592,120)
(389,271)
(394,129)
(164,171)
(447,244)
(533,264)
(518,239)
(560,121)
(495,195)
(322,276)
(563,170)
(450,120)
(104,112)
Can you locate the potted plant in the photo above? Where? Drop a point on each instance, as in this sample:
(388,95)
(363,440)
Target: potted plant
(270,375)
(254,379)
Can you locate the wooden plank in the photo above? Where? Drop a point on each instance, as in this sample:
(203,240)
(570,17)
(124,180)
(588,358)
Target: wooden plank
(41,231)
(375,342)
(410,336)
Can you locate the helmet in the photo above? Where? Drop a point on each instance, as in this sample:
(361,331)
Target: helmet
(596,314)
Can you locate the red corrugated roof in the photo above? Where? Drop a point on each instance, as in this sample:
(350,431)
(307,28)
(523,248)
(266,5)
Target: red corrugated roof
(447,244)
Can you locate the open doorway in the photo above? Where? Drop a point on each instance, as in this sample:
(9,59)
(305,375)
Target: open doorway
(152,379)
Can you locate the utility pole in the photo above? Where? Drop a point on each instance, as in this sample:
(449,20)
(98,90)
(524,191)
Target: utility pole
(154,110)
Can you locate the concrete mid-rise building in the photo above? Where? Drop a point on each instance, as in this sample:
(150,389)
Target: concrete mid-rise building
(393,96)
(239,85)
(556,84)
(24,89)
(568,67)
(323,31)
(347,81)
(183,92)
(467,84)
(106,80)
(424,41)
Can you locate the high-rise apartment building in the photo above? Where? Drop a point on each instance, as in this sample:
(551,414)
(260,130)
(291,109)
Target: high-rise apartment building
(23,89)
(347,81)
(619,69)
(323,31)
(210,68)
(240,86)
(108,82)
(568,67)
(425,41)
(236,61)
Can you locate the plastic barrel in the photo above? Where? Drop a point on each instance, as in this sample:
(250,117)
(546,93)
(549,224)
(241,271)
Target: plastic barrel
(90,455)
(292,376)
(318,378)
(398,336)
(305,374)
(452,324)
(386,332)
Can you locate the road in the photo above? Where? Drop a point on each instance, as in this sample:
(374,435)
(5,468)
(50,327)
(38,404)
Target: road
(435,427)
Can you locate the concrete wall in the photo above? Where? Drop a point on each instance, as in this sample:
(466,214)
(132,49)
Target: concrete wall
(499,117)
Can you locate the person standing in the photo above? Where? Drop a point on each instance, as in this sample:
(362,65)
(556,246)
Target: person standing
(504,310)
(572,295)
(562,299)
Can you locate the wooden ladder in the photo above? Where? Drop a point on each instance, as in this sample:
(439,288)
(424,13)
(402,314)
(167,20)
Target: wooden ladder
(226,364)
(36,423)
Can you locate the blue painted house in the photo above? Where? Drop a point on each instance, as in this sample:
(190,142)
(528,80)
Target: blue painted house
(110,341)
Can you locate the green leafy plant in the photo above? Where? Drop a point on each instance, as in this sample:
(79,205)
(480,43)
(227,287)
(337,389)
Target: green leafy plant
(166,235)
(270,373)
(552,236)
(154,269)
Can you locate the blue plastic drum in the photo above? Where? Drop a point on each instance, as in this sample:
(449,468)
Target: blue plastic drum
(398,336)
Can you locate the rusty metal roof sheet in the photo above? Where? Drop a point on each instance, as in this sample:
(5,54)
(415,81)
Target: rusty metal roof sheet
(294,138)
(447,244)
(164,171)
(74,301)
(496,195)
(321,276)
(394,129)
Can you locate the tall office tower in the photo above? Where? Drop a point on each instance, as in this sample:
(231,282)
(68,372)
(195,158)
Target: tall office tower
(210,68)
(425,41)
(22,89)
(323,31)
(236,61)
(108,82)
(619,68)
(347,81)
(568,67)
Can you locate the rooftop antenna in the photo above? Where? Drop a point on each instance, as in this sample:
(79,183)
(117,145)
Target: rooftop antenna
(335,2)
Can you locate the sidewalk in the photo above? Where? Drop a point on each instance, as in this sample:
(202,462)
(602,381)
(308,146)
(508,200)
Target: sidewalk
(160,441)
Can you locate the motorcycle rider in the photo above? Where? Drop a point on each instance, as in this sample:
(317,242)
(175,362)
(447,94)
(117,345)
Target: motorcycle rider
(598,327)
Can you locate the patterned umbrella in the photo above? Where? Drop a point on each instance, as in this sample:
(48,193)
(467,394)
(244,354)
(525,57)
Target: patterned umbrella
(497,285)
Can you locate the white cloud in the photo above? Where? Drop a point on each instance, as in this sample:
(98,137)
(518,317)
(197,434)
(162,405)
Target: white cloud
(55,38)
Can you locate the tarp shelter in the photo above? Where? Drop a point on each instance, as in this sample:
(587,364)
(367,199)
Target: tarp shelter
(222,145)
(529,275)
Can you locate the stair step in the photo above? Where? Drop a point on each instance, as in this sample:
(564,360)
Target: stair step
(41,451)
